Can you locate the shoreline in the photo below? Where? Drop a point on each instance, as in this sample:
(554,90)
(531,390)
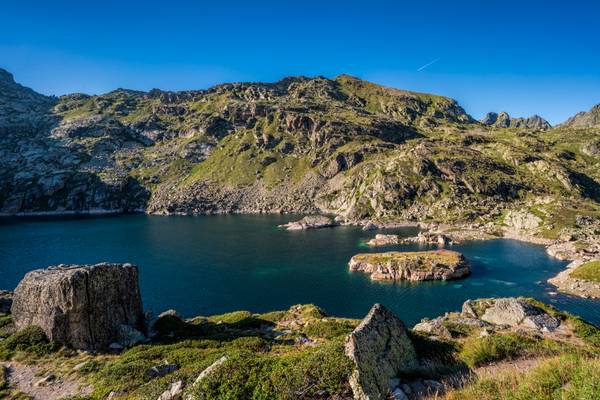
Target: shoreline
(561,250)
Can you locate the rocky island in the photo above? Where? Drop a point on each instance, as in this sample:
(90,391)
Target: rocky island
(411,266)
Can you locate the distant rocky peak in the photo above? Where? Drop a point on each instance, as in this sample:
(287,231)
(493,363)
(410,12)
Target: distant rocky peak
(584,119)
(6,76)
(504,120)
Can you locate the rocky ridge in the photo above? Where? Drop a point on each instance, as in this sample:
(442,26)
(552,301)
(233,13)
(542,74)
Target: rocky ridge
(503,120)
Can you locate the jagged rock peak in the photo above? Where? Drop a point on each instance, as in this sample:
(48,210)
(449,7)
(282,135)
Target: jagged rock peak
(584,119)
(504,120)
(6,76)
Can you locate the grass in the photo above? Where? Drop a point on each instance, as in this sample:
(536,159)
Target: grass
(567,377)
(589,271)
(477,351)
(422,259)
(31,340)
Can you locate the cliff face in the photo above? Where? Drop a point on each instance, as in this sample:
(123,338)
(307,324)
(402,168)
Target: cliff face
(339,145)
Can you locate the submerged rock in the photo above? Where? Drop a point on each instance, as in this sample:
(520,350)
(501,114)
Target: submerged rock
(81,306)
(381,350)
(310,222)
(413,266)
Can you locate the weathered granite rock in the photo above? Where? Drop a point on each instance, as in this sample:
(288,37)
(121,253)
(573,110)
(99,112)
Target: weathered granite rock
(158,371)
(210,369)
(81,306)
(384,240)
(515,312)
(174,392)
(413,266)
(310,222)
(380,349)
(5,301)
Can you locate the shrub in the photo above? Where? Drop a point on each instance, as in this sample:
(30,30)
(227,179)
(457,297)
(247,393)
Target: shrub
(31,340)
(478,351)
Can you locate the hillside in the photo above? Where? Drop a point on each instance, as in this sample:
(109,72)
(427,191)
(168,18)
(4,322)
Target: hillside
(342,146)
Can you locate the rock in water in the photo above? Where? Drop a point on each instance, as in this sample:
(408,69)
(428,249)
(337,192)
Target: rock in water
(413,266)
(80,306)
(380,349)
(310,222)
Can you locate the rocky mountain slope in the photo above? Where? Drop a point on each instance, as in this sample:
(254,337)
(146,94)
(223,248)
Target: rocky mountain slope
(585,119)
(342,146)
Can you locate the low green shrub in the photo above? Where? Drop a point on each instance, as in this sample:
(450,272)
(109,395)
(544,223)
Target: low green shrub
(31,340)
(329,328)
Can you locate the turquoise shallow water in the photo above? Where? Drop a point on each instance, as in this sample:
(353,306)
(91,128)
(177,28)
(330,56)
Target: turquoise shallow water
(214,264)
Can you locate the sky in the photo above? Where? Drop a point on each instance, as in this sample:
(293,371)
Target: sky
(523,57)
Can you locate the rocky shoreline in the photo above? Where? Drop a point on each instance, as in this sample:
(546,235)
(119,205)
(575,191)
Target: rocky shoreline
(374,358)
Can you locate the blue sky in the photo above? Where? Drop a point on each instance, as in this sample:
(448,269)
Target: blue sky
(522,57)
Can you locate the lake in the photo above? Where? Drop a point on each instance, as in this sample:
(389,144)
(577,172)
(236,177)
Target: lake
(213,264)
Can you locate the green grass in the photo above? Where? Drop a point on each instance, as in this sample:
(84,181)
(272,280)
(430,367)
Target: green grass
(477,351)
(31,340)
(568,377)
(590,271)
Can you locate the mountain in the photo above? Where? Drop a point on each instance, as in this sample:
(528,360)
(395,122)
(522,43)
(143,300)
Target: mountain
(342,146)
(503,120)
(585,119)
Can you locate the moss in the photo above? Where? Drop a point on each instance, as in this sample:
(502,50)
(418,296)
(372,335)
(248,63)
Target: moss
(589,271)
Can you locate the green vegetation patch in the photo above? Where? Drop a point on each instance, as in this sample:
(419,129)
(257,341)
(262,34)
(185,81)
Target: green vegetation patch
(31,340)
(589,271)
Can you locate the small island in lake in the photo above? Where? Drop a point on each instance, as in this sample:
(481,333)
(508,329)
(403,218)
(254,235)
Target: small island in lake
(412,266)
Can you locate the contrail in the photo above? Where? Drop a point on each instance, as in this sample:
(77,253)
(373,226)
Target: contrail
(428,64)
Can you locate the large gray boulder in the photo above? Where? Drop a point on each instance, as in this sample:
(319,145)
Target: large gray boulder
(81,306)
(380,349)
(516,312)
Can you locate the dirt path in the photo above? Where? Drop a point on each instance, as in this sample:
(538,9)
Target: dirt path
(27,379)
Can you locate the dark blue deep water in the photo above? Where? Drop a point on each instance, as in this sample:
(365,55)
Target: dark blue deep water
(214,264)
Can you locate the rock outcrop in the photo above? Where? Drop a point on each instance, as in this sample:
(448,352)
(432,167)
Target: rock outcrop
(81,306)
(503,120)
(502,314)
(380,349)
(413,266)
(310,222)
(514,312)
(584,119)
(567,283)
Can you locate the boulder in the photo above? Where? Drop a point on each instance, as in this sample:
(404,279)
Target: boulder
(210,369)
(384,240)
(5,301)
(158,371)
(81,306)
(515,312)
(380,349)
(174,392)
(310,222)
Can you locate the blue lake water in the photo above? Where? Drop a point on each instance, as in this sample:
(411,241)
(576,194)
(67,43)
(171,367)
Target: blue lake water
(214,264)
